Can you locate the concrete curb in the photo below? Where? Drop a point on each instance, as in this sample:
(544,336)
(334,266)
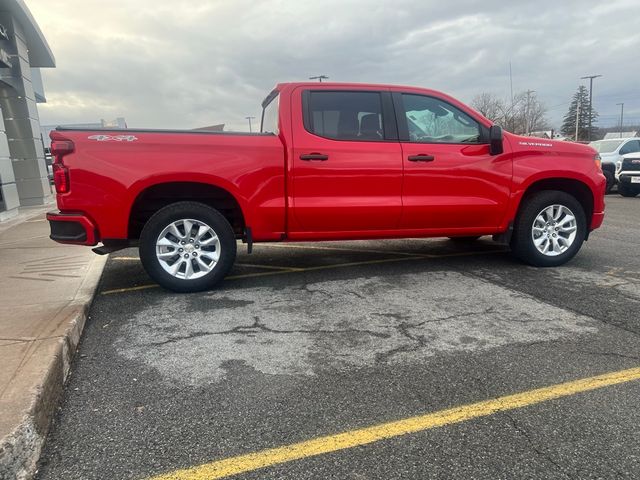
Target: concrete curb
(20,450)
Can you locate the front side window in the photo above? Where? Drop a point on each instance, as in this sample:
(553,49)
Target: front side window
(346,115)
(270,117)
(631,146)
(431,120)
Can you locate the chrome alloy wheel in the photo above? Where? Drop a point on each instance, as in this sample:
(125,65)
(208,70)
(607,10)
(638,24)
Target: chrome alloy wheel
(188,249)
(554,230)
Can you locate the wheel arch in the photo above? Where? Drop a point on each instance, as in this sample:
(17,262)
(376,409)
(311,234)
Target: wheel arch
(158,195)
(574,187)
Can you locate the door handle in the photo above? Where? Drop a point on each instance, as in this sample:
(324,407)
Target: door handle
(421,158)
(314,156)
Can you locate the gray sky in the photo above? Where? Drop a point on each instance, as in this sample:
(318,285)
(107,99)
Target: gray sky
(184,64)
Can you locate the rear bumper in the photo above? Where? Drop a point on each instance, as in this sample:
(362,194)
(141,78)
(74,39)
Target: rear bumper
(73,228)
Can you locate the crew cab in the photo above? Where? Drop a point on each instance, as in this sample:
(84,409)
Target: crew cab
(332,161)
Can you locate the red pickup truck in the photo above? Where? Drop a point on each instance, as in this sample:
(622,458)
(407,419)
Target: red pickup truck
(331,161)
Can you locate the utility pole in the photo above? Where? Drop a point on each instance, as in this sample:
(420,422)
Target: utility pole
(590,77)
(249,118)
(319,78)
(527,119)
(621,117)
(510,127)
(577,118)
(511,83)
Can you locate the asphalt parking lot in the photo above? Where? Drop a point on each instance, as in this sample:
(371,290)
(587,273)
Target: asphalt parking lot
(306,341)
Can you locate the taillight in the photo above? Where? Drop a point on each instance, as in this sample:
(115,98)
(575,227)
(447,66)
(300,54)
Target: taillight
(598,161)
(61,177)
(60,148)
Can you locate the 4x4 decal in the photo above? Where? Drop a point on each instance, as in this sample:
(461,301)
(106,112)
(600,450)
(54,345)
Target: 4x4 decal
(115,138)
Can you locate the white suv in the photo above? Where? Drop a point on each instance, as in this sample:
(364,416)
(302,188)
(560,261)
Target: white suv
(611,151)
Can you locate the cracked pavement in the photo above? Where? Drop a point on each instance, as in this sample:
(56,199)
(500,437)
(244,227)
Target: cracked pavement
(165,381)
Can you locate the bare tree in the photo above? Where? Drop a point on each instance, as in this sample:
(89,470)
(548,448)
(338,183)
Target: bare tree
(524,115)
(529,113)
(488,105)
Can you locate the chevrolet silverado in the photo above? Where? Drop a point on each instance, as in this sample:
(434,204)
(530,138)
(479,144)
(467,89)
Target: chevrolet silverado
(331,162)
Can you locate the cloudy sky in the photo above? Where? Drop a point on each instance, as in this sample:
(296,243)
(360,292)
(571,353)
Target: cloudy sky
(190,63)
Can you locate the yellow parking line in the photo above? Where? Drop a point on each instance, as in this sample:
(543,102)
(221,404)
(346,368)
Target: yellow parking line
(130,289)
(261,274)
(250,265)
(339,249)
(366,262)
(267,274)
(364,436)
(287,270)
(465,254)
(268,267)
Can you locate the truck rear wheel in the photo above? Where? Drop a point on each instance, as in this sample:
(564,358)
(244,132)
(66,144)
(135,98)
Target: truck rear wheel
(549,229)
(187,247)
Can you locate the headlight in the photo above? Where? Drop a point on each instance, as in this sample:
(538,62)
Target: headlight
(618,166)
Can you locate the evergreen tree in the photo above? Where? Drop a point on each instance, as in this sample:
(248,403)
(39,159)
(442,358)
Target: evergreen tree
(581,97)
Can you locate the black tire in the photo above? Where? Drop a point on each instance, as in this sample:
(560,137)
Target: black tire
(464,239)
(187,210)
(522,245)
(627,191)
(611,180)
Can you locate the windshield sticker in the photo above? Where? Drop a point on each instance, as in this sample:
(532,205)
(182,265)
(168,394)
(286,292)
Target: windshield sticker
(115,138)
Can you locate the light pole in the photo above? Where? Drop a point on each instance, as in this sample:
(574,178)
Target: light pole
(249,118)
(590,77)
(621,116)
(319,78)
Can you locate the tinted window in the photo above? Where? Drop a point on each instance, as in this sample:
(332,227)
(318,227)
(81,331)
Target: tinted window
(270,117)
(346,115)
(433,121)
(630,147)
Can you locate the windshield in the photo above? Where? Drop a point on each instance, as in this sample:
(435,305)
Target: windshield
(606,146)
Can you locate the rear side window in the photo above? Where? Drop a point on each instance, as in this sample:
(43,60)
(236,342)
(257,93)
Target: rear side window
(632,146)
(346,115)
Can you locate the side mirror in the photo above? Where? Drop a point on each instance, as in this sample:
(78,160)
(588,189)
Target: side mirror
(495,140)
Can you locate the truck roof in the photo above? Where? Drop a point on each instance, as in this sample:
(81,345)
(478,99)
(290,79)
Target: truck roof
(292,85)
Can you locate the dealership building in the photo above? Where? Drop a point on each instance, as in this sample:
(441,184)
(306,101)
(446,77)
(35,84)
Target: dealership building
(23,51)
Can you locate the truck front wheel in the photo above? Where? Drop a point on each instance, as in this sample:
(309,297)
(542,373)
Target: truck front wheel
(187,247)
(549,229)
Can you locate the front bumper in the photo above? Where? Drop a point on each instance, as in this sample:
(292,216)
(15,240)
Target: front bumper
(596,220)
(72,228)
(625,177)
